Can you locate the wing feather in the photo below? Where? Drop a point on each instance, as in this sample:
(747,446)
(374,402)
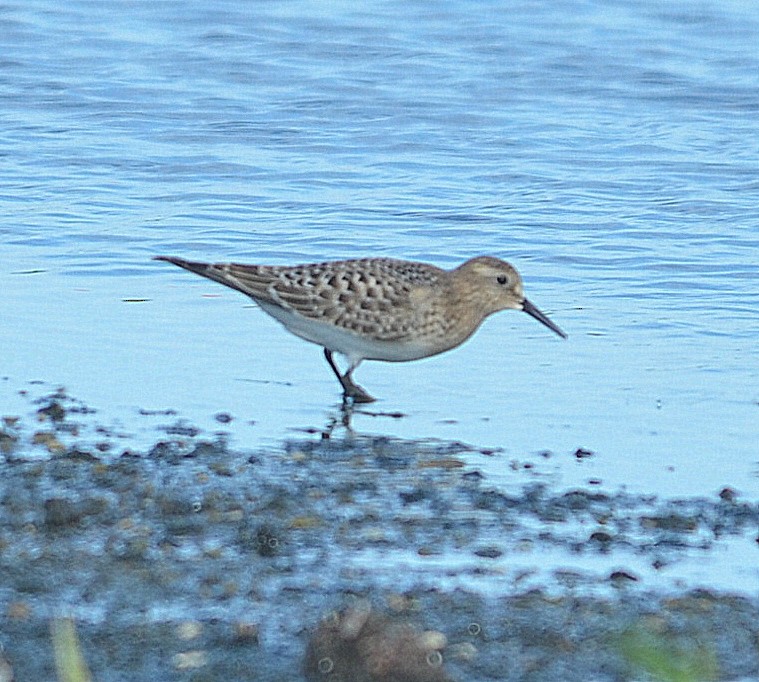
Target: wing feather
(371,296)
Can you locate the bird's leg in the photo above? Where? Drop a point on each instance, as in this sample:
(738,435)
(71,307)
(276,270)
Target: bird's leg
(350,390)
(355,391)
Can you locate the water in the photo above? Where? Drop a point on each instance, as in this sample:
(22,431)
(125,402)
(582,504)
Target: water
(608,150)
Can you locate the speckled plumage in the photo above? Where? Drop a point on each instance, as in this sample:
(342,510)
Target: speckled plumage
(377,308)
(368,297)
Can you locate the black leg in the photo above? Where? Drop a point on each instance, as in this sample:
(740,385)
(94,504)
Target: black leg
(328,355)
(350,390)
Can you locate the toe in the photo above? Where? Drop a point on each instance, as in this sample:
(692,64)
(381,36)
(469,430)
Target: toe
(359,395)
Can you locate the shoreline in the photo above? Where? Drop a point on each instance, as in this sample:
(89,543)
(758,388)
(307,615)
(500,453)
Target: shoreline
(237,556)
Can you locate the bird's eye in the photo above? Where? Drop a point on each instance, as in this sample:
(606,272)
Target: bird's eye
(502,279)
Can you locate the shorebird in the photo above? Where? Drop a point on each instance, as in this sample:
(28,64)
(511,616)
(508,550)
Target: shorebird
(377,308)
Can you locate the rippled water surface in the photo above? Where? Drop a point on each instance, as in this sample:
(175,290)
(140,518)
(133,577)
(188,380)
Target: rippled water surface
(610,150)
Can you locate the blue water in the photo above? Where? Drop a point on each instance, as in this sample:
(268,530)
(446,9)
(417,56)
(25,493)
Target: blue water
(610,150)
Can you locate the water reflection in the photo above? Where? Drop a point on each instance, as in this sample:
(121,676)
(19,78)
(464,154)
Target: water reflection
(341,417)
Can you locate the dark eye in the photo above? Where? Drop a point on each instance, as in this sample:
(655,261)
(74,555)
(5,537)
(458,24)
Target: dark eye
(502,279)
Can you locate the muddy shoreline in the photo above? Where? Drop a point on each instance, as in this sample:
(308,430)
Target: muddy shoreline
(192,559)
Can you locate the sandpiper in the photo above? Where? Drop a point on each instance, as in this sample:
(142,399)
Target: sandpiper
(377,308)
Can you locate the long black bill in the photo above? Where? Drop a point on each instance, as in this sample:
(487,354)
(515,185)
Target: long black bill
(532,311)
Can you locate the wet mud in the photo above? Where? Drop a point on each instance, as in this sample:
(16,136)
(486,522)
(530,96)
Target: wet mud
(337,556)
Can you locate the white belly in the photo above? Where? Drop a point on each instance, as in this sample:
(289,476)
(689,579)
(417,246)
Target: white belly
(354,346)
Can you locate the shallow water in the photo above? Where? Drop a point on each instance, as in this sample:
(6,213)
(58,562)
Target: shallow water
(608,150)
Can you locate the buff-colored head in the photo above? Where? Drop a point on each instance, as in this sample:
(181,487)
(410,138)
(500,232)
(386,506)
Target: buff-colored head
(496,285)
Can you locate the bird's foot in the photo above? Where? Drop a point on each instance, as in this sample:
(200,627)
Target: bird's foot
(356,394)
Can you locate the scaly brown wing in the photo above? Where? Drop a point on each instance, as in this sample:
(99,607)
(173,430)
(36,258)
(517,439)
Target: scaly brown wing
(370,296)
